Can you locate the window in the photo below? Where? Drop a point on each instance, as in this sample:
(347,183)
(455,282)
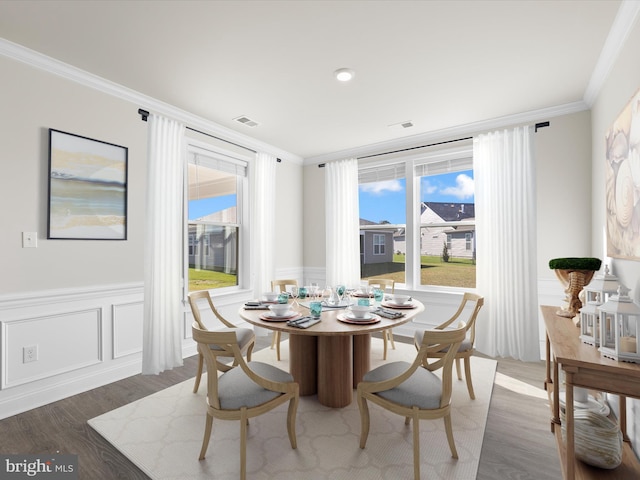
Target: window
(436,188)
(215,197)
(382,199)
(378,244)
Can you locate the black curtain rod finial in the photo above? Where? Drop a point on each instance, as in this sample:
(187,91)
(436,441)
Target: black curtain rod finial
(143,114)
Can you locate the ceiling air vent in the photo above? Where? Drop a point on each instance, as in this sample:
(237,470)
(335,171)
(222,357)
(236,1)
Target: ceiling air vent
(401,125)
(246,121)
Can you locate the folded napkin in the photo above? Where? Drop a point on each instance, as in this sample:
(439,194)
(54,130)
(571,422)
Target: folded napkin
(255,306)
(383,312)
(304,322)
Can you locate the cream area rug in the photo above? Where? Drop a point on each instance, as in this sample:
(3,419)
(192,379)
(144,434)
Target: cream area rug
(162,434)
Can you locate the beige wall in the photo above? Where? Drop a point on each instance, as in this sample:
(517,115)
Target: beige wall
(314,218)
(32,102)
(563,176)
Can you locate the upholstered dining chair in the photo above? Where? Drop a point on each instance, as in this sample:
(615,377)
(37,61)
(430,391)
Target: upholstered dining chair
(385,284)
(280,286)
(470,305)
(246,336)
(246,391)
(414,390)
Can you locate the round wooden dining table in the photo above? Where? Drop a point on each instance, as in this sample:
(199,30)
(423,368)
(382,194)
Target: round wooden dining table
(331,357)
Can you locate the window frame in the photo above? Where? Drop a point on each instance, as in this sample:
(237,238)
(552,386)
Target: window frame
(195,147)
(461,156)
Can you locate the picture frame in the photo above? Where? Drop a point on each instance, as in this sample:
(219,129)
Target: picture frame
(622,182)
(87,188)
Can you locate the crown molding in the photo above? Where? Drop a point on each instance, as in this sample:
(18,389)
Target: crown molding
(444,134)
(69,72)
(620,29)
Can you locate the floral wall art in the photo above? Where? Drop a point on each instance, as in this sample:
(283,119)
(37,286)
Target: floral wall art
(622,173)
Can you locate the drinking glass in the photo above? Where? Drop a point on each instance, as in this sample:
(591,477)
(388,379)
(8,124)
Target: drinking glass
(302,293)
(315,309)
(313,290)
(283,298)
(378,295)
(295,293)
(341,290)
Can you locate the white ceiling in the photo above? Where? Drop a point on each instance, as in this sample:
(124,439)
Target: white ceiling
(439,64)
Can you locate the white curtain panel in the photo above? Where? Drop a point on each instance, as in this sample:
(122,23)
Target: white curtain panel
(163,312)
(342,223)
(263,222)
(505,198)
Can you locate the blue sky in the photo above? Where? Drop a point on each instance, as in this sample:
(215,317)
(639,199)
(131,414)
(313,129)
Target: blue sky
(386,200)
(205,206)
(378,201)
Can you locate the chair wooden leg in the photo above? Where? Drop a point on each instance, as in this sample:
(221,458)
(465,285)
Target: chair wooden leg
(250,351)
(416,447)
(393,344)
(291,421)
(277,335)
(207,435)
(273,340)
(449,430)
(243,443)
(458,369)
(467,374)
(199,374)
(364,420)
(384,342)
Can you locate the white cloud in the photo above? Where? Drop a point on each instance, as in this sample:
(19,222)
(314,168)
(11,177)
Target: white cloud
(464,188)
(379,188)
(427,187)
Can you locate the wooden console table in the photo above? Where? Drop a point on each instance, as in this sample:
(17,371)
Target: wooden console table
(585,367)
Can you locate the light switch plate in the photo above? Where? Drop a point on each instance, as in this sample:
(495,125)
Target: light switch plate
(29,239)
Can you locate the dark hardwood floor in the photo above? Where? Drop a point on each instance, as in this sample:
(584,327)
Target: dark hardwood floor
(518,443)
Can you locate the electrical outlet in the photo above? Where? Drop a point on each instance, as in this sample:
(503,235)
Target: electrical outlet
(30,353)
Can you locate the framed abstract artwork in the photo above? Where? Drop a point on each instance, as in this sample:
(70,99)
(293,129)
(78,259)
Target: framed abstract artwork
(622,174)
(87,188)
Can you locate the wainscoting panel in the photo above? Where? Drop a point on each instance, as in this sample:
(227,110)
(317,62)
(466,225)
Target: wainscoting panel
(59,343)
(76,339)
(127,328)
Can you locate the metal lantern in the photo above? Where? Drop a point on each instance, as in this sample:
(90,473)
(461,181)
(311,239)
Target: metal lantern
(619,327)
(596,293)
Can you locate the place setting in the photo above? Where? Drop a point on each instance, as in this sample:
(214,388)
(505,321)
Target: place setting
(398,301)
(279,312)
(359,315)
(268,298)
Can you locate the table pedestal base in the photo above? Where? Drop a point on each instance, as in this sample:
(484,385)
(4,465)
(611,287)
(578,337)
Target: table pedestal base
(331,366)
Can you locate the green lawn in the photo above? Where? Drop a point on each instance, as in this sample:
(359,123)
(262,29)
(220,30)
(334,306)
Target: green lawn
(207,279)
(457,272)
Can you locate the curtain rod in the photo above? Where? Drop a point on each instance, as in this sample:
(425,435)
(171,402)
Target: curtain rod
(144,115)
(537,126)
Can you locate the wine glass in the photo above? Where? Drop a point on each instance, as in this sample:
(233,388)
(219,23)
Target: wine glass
(341,290)
(313,290)
(294,295)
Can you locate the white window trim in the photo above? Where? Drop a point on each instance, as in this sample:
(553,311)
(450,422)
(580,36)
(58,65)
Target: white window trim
(451,154)
(195,147)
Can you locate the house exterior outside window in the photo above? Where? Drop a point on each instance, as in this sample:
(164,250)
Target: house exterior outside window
(432,194)
(216,190)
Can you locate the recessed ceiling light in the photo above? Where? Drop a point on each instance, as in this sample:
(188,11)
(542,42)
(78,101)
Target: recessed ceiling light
(344,74)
